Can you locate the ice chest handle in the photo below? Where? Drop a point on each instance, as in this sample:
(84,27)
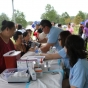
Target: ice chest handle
(11,58)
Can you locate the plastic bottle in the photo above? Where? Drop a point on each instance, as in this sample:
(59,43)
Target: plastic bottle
(50,50)
(36,49)
(39,51)
(54,49)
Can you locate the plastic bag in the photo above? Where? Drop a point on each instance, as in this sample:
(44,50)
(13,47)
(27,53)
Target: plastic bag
(83,36)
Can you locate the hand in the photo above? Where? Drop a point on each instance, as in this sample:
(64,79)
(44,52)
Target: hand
(32,49)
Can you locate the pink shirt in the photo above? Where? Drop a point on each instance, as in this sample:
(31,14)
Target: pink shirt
(70,29)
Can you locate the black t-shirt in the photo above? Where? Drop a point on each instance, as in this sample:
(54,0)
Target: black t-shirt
(28,45)
(40,30)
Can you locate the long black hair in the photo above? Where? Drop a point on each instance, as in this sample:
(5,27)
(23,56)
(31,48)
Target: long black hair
(16,35)
(75,49)
(6,24)
(63,35)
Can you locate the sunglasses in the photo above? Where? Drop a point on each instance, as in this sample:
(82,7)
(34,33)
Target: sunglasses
(59,39)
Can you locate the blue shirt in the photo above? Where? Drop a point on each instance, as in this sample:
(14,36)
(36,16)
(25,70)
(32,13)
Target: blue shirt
(65,58)
(79,74)
(53,36)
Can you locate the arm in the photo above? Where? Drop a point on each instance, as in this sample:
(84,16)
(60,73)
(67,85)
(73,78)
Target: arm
(24,48)
(73,87)
(43,40)
(83,31)
(51,56)
(46,48)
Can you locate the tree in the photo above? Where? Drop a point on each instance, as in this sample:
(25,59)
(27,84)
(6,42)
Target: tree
(82,15)
(78,19)
(20,18)
(86,16)
(65,18)
(30,22)
(3,16)
(61,20)
(72,18)
(65,15)
(50,14)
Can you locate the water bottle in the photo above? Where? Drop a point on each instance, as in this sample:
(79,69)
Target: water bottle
(50,50)
(39,51)
(36,49)
(32,45)
(54,49)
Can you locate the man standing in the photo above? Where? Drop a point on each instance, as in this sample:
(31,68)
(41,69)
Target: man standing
(52,36)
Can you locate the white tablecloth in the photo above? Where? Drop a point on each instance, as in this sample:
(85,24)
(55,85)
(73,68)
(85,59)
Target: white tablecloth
(48,80)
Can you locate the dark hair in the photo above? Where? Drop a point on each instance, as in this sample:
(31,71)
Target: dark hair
(28,30)
(59,25)
(46,23)
(75,49)
(19,26)
(16,35)
(6,24)
(53,22)
(63,35)
(25,34)
(87,24)
(69,23)
(37,24)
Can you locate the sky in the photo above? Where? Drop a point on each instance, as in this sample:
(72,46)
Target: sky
(33,9)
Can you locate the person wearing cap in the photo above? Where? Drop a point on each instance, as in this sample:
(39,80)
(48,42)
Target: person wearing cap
(52,36)
(36,31)
(81,29)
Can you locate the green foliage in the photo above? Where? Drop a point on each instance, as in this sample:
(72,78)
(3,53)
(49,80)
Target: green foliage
(67,20)
(30,22)
(78,19)
(3,16)
(64,18)
(61,20)
(82,15)
(86,15)
(65,15)
(20,18)
(50,14)
(72,18)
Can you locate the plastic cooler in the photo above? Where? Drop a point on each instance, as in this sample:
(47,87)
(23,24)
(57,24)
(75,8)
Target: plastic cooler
(11,58)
